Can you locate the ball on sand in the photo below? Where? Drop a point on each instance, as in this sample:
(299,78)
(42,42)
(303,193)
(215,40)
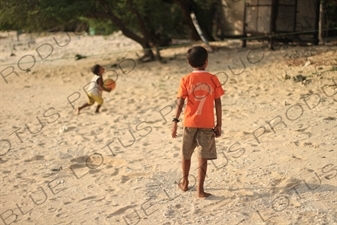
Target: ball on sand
(109,83)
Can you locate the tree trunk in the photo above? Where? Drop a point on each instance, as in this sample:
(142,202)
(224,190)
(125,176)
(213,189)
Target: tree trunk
(143,41)
(189,6)
(185,7)
(204,26)
(148,53)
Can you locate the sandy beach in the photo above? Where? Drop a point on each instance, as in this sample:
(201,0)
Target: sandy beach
(277,156)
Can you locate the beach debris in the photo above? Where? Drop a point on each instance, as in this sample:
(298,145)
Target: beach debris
(330,118)
(305,82)
(58,168)
(299,78)
(286,103)
(77,156)
(63,129)
(307,63)
(78,56)
(286,77)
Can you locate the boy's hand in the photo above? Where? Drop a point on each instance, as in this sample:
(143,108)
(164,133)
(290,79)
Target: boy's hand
(174,129)
(217,131)
(106,89)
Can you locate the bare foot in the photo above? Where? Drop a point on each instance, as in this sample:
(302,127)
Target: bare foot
(204,195)
(77,111)
(183,186)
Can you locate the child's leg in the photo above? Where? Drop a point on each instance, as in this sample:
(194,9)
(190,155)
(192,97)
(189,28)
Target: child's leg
(207,152)
(97,108)
(202,170)
(99,101)
(187,149)
(91,101)
(82,107)
(186,165)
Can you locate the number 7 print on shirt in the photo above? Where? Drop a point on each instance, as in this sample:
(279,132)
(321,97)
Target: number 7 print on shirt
(203,90)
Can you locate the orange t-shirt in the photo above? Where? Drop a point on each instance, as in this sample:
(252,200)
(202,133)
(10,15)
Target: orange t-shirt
(200,88)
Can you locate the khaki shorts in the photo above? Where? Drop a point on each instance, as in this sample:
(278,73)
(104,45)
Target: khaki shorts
(94,98)
(201,139)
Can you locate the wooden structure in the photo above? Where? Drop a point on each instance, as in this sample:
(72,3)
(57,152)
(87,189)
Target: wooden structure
(274,20)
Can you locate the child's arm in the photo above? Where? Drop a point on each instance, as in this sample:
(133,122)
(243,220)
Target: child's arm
(101,85)
(179,107)
(218,111)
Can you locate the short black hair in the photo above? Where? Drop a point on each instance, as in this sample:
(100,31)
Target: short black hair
(95,69)
(197,56)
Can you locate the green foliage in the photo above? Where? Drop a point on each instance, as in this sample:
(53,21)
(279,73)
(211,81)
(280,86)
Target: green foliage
(163,17)
(38,15)
(158,16)
(101,27)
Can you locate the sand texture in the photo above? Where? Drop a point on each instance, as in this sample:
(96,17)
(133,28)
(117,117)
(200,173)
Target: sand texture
(277,156)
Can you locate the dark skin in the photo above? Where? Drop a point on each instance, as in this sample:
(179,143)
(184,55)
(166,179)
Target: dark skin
(101,85)
(186,163)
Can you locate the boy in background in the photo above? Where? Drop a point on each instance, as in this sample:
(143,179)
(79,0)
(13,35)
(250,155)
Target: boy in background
(202,90)
(94,91)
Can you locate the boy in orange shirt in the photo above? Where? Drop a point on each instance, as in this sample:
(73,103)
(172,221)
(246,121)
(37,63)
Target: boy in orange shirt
(202,90)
